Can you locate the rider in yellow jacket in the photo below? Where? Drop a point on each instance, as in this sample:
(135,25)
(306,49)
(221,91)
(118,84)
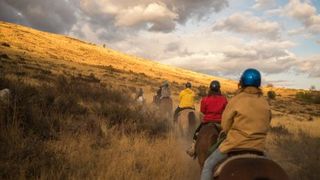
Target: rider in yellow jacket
(186,98)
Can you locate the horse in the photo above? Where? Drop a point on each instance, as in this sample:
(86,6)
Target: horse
(186,122)
(165,107)
(249,167)
(207,136)
(244,166)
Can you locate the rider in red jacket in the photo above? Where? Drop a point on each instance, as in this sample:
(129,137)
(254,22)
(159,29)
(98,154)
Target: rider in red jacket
(212,107)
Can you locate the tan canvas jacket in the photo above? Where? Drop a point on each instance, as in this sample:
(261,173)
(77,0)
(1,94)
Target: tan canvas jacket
(246,121)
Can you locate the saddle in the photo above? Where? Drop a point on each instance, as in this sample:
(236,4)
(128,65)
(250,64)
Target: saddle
(234,155)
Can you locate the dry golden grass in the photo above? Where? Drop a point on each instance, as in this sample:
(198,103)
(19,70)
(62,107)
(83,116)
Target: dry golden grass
(73,127)
(128,157)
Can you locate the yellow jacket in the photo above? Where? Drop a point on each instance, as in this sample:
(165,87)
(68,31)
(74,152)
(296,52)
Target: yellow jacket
(246,121)
(186,98)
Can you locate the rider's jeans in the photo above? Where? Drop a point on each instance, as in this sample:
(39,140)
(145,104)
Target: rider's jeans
(210,163)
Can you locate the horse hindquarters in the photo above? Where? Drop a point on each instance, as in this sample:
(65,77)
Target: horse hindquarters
(207,136)
(252,169)
(192,119)
(187,122)
(165,107)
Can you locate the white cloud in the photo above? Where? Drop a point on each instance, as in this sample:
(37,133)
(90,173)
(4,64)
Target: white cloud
(264,4)
(305,13)
(160,17)
(153,15)
(249,24)
(310,66)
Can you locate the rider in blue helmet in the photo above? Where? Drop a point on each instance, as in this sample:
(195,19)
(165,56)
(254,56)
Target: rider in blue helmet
(245,123)
(250,77)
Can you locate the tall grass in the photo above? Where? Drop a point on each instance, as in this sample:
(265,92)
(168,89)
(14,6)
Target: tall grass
(301,151)
(75,127)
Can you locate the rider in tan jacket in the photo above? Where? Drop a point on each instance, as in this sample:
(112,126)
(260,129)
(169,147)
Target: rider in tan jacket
(246,121)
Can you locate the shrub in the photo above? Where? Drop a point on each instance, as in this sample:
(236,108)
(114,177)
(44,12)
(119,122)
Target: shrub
(5,44)
(271,95)
(309,96)
(279,130)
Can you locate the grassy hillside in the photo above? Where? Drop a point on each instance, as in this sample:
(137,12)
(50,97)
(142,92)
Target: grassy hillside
(72,114)
(46,47)
(51,47)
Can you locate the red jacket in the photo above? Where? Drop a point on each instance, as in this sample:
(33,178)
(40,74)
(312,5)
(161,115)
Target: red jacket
(212,107)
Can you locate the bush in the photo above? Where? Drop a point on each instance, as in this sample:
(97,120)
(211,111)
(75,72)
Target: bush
(279,130)
(309,96)
(271,95)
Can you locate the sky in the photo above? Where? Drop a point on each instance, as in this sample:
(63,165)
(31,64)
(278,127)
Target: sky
(281,38)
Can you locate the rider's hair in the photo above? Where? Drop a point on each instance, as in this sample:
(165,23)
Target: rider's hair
(212,93)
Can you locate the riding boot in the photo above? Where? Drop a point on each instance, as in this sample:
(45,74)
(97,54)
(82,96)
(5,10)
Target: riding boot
(192,150)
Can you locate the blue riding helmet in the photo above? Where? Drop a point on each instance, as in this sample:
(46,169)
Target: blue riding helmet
(215,86)
(250,77)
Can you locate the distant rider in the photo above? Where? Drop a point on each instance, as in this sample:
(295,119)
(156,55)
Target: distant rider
(140,98)
(165,90)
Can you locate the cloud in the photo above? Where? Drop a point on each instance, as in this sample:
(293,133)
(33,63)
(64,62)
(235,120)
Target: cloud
(229,56)
(62,16)
(151,15)
(310,66)
(172,47)
(53,16)
(246,23)
(305,13)
(157,15)
(264,4)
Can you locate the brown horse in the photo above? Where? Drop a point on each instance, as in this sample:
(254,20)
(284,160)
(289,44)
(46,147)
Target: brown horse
(244,168)
(207,136)
(186,122)
(251,167)
(165,107)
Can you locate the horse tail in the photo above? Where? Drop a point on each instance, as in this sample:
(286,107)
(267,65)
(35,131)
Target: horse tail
(192,119)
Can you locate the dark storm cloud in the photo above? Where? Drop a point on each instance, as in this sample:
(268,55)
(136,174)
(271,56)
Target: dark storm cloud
(9,14)
(54,16)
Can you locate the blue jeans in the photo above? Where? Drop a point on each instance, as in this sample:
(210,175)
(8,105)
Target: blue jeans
(210,163)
